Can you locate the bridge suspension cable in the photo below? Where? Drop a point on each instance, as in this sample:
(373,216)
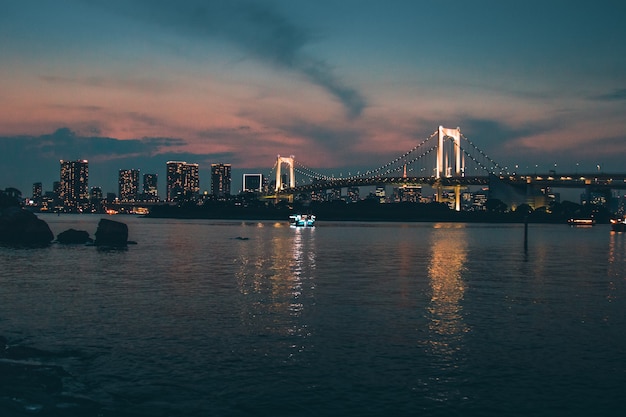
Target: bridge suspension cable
(407,162)
(494,168)
(396,160)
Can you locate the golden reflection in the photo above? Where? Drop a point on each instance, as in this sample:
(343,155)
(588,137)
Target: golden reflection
(616,263)
(447,263)
(276,277)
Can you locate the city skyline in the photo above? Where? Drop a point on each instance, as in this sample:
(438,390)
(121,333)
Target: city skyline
(348,86)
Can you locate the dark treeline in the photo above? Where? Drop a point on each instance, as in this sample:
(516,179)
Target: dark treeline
(371,210)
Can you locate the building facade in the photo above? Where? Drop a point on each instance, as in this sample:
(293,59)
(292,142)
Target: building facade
(252,183)
(73,185)
(220,180)
(37,192)
(150,189)
(183,181)
(128,185)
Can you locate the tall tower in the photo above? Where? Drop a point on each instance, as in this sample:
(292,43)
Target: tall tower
(280,182)
(128,185)
(220,180)
(73,185)
(183,181)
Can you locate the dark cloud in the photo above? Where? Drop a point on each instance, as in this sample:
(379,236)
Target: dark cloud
(618,94)
(28,159)
(254,27)
(66,144)
(487,133)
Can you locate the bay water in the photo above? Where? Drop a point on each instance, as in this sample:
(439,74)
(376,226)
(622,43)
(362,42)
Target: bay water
(237,318)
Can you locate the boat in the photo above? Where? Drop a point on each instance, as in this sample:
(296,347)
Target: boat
(302,220)
(581,222)
(618,225)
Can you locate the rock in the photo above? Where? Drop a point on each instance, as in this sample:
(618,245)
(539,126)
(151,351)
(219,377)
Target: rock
(73,236)
(111,233)
(23,228)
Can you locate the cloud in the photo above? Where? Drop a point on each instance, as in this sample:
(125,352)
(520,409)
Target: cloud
(619,94)
(141,84)
(493,132)
(29,159)
(66,144)
(255,28)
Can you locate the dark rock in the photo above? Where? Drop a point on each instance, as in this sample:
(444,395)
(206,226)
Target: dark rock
(23,228)
(111,233)
(73,236)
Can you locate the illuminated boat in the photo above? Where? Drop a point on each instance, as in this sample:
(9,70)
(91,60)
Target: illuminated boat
(302,220)
(618,225)
(581,222)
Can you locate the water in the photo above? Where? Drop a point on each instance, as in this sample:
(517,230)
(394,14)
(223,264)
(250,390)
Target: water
(219,318)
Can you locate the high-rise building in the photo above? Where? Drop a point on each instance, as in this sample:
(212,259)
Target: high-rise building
(73,186)
(183,181)
(220,180)
(37,192)
(128,185)
(150,190)
(252,183)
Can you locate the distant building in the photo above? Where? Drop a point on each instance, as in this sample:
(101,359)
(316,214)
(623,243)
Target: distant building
(150,190)
(73,185)
(252,183)
(333,194)
(95,198)
(220,180)
(128,183)
(183,181)
(380,193)
(95,194)
(353,194)
(407,194)
(37,192)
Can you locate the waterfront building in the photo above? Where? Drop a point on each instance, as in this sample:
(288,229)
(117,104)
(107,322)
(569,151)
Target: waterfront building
(150,190)
(37,192)
(252,183)
(407,194)
(333,194)
(220,180)
(95,198)
(380,193)
(183,181)
(128,183)
(95,193)
(353,194)
(73,185)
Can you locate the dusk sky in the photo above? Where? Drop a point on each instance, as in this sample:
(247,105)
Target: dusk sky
(341,84)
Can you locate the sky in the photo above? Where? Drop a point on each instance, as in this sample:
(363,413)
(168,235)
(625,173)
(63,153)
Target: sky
(341,85)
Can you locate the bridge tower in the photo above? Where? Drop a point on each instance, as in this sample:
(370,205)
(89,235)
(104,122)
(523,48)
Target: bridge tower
(280,160)
(443,168)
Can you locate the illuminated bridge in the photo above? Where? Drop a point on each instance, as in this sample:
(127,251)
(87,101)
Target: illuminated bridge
(446,160)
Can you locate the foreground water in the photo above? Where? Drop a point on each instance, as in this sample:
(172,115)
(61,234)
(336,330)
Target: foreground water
(214,318)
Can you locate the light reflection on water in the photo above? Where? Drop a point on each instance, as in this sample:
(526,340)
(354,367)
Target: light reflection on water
(448,255)
(257,318)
